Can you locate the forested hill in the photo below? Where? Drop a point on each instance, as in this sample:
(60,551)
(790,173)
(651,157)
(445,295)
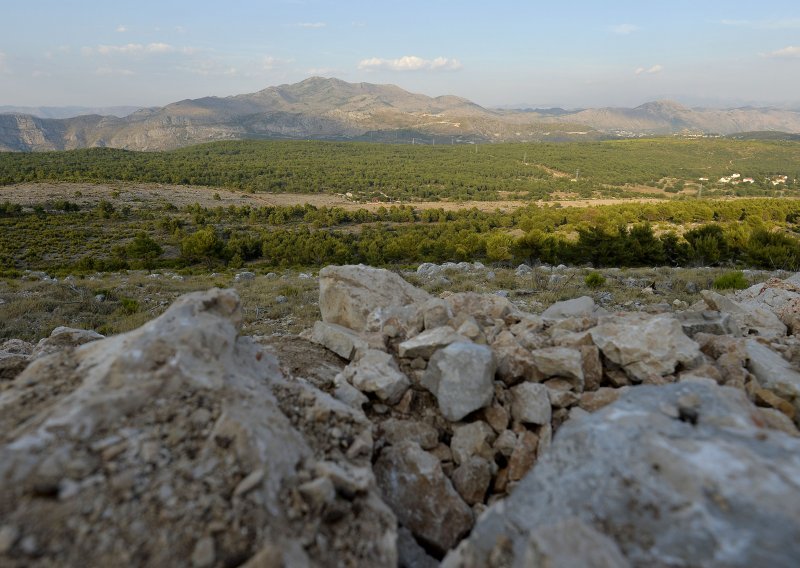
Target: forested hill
(655,167)
(331,109)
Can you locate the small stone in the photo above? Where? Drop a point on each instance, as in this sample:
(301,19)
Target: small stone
(203,554)
(460,376)
(249,483)
(765,397)
(471,479)
(530,403)
(505,443)
(474,439)
(397,431)
(523,457)
(429,341)
(591,401)
(318,492)
(376,372)
(8,536)
(497,417)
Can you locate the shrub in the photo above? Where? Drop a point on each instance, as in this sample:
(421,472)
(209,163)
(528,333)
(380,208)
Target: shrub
(731,281)
(129,305)
(594,280)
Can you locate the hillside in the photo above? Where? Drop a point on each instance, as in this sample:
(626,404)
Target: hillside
(331,109)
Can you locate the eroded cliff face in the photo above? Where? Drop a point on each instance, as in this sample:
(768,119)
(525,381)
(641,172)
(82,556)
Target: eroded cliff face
(410,429)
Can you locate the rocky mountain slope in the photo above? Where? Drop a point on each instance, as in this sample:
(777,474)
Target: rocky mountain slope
(336,110)
(395,432)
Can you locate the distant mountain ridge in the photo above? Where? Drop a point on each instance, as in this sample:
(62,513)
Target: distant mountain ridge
(332,109)
(69,111)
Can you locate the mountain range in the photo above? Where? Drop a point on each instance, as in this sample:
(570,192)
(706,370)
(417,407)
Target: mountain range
(332,109)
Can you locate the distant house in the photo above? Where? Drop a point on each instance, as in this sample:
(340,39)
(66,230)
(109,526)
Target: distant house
(748,180)
(724,180)
(702,179)
(736,176)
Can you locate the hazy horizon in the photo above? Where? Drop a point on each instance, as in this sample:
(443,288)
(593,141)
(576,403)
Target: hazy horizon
(574,55)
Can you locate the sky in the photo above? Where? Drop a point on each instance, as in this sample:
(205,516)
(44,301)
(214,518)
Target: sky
(495,52)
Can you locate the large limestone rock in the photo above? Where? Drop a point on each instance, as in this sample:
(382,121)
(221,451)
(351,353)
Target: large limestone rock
(583,306)
(754,319)
(677,475)
(781,297)
(184,426)
(63,337)
(644,345)
(424,500)
(347,294)
(461,376)
(773,372)
(346,343)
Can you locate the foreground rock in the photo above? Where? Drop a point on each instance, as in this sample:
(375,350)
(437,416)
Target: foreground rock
(676,475)
(184,426)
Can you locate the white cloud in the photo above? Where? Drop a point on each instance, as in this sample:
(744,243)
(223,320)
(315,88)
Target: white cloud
(311,25)
(268,62)
(410,63)
(110,71)
(624,29)
(154,48)
(649,70)
(789,52)
(122,28)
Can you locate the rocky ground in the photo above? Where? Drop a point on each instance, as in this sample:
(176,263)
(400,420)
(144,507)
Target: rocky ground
(411,429)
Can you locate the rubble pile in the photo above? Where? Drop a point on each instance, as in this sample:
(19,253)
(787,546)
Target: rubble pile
(455,429)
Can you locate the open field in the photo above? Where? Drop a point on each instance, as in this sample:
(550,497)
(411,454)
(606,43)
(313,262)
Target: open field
(286,301)
(147,195)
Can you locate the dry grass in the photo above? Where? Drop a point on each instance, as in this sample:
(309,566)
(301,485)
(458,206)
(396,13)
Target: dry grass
(30,310)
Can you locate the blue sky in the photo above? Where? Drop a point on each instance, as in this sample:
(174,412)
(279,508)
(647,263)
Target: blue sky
(567,53)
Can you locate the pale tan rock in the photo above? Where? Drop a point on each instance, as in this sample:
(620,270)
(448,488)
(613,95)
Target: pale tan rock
(592,401)
(514,362)
(524,456)
(471,479)
(643,344)
(413,484)
(560,362)
(473,439)
(347,294)
(531,403)
(428,342)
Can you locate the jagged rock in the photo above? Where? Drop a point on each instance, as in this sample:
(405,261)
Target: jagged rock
(344,342)
(347,294)
(435,313)
(505,443)
(753,320)
(460,376)
(781,297)
(639,474)
(514,362)
(560,362)
(524,455)
(426,343)
(471,479)
(577,307)
(473,439)
(414,486)
(592,367)
(717,323)
(530,403)
(62,338)
(410,553)
(591,401)
(242,276)
(182,425)
(398,431)
(523,270)
(376,372)
(773,372)
(484,308)
(644,345)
